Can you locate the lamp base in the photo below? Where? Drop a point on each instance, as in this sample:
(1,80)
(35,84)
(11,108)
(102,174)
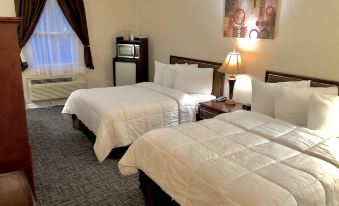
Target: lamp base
(231,83)
(230,102)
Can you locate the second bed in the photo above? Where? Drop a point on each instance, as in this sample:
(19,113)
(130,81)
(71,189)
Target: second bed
(118,115)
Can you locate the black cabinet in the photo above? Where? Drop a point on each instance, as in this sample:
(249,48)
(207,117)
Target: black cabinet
(140,60)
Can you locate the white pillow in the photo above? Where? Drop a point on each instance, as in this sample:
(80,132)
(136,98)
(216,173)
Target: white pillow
(164,74)
(194,81)
(169,76)
(323,114)
(158,72)
(188,65)
(263,94)
(291,104)
(169,72)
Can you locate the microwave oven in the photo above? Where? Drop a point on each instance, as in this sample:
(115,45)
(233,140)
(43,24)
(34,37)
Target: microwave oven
(128,51)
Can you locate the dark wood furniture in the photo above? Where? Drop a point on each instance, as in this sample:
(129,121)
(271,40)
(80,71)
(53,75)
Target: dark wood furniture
(15,189)
(141,63)
(218,78)
(15,151)
(154,195)
(207,110)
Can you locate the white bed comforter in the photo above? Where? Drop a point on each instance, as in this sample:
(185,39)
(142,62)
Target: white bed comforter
(239,159)
(118,115)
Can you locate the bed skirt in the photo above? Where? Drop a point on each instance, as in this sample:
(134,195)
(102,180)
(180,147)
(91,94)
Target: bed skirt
(154,195)
(116,153)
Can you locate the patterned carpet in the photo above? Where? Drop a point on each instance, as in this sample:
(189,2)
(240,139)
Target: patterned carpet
(66,170)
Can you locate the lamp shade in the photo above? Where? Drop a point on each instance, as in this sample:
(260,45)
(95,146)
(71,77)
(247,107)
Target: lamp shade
(232,64)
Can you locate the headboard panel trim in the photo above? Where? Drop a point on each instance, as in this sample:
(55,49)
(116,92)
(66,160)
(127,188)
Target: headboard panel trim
(273,76)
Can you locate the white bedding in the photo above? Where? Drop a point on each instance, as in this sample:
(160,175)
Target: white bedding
(239,159)
(118,115)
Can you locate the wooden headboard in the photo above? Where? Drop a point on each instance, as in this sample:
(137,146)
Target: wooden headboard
(272,76)
(218,78)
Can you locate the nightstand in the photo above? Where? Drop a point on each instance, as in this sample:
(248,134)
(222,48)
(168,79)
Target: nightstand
(211,109)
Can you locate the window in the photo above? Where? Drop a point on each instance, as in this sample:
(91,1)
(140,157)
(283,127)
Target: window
(54,48)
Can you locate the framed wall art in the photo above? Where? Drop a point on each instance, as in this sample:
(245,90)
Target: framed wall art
(253,19)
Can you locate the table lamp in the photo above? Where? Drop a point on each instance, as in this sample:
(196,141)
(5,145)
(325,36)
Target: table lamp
(231,66)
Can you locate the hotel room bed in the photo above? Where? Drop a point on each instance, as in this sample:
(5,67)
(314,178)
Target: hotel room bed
(118,115)
(239,158)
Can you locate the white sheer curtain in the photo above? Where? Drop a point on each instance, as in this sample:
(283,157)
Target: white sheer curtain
(54,48)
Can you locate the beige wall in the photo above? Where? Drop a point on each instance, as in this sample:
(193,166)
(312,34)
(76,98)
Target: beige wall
(105,19)
(7,8)
(307,38)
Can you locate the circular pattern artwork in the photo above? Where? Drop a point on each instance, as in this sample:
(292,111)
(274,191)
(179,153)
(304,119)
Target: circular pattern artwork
(253,19)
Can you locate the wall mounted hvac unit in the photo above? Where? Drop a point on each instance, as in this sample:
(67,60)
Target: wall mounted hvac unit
(53,88)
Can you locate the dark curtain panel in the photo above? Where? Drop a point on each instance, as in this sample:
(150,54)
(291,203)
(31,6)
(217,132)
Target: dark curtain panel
(74,11)
(29,11)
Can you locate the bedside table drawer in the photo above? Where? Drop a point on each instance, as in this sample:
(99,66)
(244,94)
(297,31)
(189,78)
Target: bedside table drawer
(206,113)
(211,109)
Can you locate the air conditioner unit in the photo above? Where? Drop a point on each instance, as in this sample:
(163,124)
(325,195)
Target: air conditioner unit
(53,88)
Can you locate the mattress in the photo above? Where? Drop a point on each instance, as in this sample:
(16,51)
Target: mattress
(118,115)
(239,159)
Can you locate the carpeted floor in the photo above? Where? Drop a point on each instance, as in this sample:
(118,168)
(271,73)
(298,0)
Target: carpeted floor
(66,170)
